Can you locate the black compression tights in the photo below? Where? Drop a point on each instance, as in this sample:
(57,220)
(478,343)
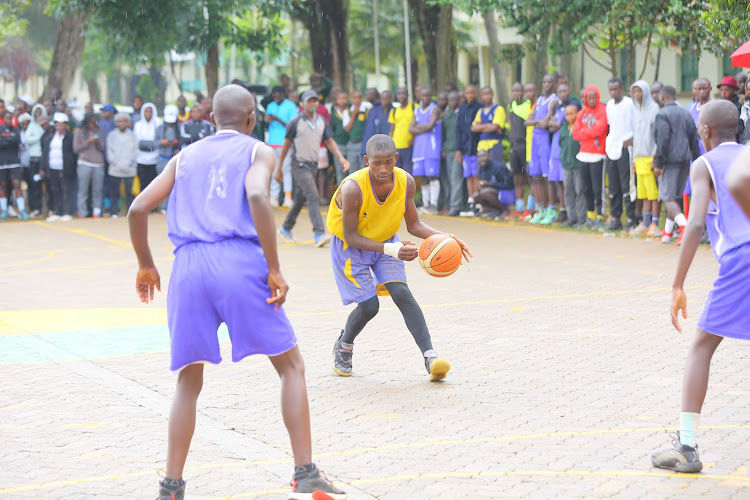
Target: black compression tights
(409,308)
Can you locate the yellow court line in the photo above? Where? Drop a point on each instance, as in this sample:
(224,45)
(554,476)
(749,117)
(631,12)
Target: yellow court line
(13,318)
(83,232)
(537,473)
(48,256)
(511,437)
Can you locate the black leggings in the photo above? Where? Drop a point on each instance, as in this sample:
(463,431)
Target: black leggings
(591,173)
(409,308)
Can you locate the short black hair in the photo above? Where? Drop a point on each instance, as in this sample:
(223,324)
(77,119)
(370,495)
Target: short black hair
(380,143)
(616,80)
(137,96)
(670,91)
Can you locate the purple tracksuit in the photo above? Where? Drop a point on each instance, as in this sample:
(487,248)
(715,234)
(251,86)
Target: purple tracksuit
(727,306)
(695,110)
(220,274)
(427,147)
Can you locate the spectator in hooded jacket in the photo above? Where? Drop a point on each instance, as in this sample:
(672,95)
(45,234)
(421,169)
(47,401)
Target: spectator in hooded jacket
(148,146)
(33,141)
(644,149)
(122,149)
(590,130)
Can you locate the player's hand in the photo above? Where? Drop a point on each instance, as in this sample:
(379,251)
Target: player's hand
(344,164)
(459,157)
(464,248)
(279,289)
(278,176)
(658,172)
(145,282)
(409,251)
(679,303)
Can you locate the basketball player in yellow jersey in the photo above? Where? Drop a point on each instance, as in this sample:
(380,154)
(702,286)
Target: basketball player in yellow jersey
(368,258)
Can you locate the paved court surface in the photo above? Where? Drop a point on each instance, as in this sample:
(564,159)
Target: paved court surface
(566,375)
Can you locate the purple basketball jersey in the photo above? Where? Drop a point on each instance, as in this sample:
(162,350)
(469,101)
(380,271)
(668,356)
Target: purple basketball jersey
(427,146)
(208,201)
(559,118)
(727,224)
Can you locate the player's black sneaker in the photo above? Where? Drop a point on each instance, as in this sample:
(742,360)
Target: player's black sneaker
(438,368)
(342,357)
(679,457)
(307,480)
(171,489)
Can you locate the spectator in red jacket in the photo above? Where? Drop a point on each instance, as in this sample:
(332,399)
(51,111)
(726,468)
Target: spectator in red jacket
(590,130)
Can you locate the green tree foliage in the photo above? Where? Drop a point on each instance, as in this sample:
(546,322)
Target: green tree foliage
(726,23)
(11,22)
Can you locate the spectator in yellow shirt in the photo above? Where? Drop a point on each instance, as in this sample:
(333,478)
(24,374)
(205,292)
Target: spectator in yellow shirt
(400,119)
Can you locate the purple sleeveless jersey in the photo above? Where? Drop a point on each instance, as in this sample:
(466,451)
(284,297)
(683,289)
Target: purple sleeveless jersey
(540,140)
(427,146)
(208,201)
(727,306)
(220,273)
(727,224)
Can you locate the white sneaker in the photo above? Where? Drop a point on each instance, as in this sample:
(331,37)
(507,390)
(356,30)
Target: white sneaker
(66,218)
(12,211)
(275,202)
(53,218)
(34,214)
(287,202)
(115,216)
(468,213)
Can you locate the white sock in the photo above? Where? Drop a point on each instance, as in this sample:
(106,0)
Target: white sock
(425,193)
(681,220)
(434,191)
(97,211)
(669,226)
(21,204)
(688,428)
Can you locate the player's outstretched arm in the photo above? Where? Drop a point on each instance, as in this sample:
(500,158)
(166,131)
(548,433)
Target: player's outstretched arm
(738,180)
(700,182)
(418,228)
(256,187)
(150,198)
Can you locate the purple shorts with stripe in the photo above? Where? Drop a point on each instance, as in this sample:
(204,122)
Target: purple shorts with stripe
(471,167)
(727,306)
(358,272)
(540,153)
(556,173)
(426,168)
(223,282)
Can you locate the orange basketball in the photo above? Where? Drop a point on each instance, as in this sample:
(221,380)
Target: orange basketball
(440,255)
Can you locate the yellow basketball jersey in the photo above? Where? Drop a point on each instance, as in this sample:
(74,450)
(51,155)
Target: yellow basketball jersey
(378,220)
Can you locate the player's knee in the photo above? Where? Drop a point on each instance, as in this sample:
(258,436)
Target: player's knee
(190,379)
(369,308)
(400,292)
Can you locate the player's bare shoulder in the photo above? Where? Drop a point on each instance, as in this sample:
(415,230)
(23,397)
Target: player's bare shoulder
(350,195)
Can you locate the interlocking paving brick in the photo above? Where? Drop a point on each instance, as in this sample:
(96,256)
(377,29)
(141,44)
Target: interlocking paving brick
(566,372)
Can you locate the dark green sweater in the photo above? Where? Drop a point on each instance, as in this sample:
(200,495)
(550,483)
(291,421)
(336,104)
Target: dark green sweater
(568,147)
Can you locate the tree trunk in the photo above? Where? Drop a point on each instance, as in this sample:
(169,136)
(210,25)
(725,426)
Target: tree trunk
(612,51)
(93,90)
(540,58)
(338,19)
(435,26)
(658,63)
(212,69)
(498,69)
(71,37)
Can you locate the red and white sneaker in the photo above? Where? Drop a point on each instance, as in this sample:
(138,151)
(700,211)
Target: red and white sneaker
(680,231)
(666,237)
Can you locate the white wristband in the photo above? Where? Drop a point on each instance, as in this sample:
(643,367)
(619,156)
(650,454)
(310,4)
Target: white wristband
(392,249)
